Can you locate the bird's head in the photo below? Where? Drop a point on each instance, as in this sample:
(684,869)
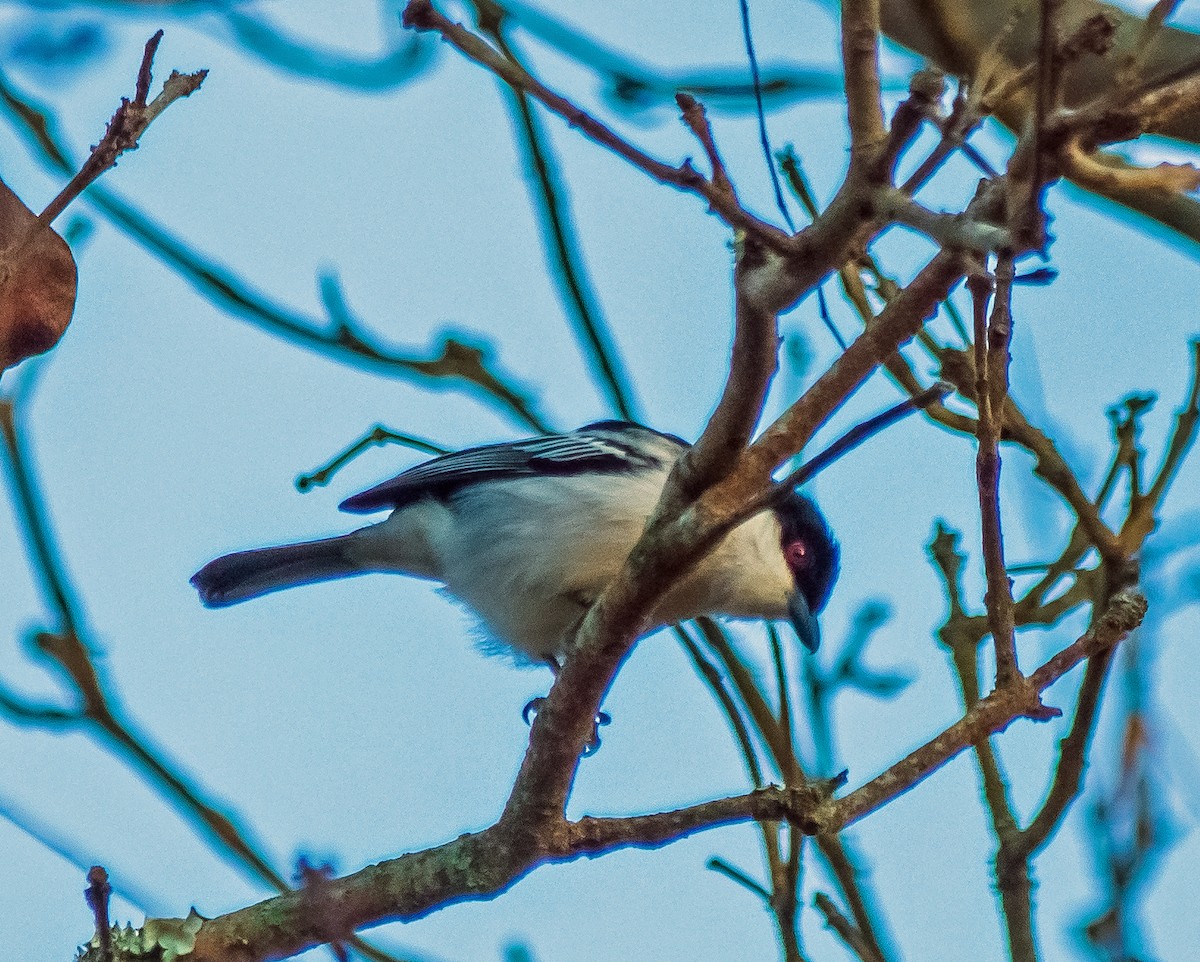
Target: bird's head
(812,556)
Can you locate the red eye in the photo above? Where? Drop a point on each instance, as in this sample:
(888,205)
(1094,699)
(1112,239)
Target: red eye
(797,555)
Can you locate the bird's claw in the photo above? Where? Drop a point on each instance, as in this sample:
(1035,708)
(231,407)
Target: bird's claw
(529,713)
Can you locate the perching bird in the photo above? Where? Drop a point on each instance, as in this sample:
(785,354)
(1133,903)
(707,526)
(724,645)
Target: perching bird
(527,534)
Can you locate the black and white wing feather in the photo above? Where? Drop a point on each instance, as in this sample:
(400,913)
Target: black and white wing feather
(603,447)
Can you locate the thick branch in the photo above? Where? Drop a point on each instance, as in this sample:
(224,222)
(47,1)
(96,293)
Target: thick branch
(483,864)
(752,367)
(475,866)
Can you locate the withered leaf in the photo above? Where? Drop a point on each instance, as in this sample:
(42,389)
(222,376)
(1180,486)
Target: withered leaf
(37,282)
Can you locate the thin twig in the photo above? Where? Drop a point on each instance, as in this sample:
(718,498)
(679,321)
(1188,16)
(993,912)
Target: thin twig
(1071,762)
(421,15)
(46,560)
(580,300)
(722,867)
(1141,518)
(861,432)
(992,338)
(716,684)
(376,436)
(847,931)
(763,137)
(693,114)
(126,127)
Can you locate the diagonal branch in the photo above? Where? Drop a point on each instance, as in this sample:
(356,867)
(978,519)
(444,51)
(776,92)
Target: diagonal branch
(482,864)
(422,15)
(341,337)
(126,127)
(895,325)
(992,714)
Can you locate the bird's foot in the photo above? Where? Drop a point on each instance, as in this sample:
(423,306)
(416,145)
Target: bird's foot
(529,713)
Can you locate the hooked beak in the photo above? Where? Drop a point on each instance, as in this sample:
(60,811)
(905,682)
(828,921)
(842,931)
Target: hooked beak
(804,621)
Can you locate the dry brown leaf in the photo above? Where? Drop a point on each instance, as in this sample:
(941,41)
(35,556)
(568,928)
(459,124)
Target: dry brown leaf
(37,282)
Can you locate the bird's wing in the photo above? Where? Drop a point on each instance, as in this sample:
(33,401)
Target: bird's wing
(603,447)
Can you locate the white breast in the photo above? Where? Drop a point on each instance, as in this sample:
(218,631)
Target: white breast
(530,555)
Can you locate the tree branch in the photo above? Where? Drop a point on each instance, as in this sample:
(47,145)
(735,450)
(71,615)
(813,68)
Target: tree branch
(422,15)
(126,127)
(992,714)
(594,836)
(860,59)
(580,299)
(993,336)
(482,864)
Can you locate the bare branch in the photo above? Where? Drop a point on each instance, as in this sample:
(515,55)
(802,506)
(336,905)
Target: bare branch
(949,230)
(342,338)
(846,930)
(1072,759)
(696,119)
(992,714)
(580,299)
(126,127)
(422,15)
(475,865)
(590,836)
(716,684)
(860,58)
(1141,520)
(992,339)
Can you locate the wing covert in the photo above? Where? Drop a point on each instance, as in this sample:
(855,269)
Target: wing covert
(555,454)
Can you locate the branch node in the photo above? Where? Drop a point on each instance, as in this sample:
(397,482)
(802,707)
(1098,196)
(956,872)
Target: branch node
(97,894)
(418,15)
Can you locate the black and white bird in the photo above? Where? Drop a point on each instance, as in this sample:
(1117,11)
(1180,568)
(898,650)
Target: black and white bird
(527,534)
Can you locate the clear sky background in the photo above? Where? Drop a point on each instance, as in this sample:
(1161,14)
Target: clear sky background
(354,721)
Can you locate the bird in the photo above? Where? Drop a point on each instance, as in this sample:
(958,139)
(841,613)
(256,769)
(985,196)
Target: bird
(526,534)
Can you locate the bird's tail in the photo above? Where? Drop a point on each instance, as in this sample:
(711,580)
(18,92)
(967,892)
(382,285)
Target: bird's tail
(248,574)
